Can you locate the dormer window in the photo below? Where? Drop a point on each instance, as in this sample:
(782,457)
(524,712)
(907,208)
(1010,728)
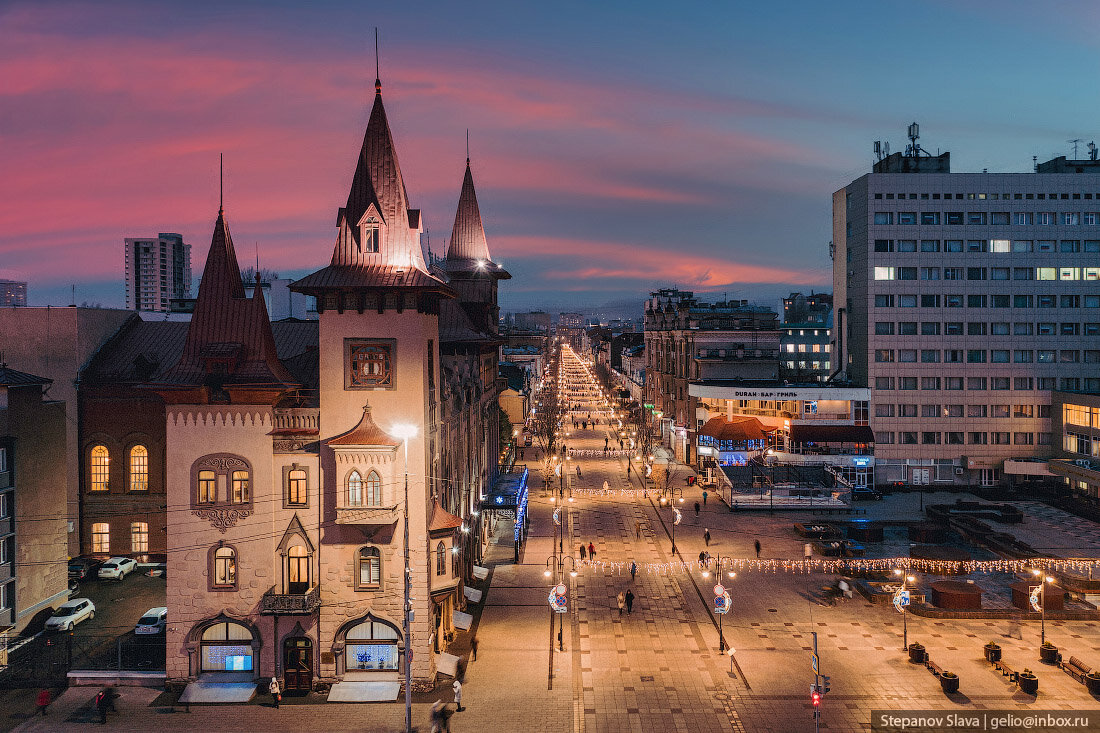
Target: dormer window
(369,235)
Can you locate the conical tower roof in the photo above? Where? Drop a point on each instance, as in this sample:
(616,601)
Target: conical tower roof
(468,235)
(229,335)
(390,256)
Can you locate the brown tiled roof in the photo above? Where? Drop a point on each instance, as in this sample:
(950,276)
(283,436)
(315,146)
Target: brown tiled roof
(227,323)
(441,519)
(737,430)
(366,432)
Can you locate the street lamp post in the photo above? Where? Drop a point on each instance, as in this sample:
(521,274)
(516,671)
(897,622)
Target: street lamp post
(1042,604)
(671,496)
(406,432)
(904,614)
(718,578)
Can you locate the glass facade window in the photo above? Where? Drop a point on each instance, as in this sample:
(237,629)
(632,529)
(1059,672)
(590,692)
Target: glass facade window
(139,468)
(101,538)
(139,537)
(99,468)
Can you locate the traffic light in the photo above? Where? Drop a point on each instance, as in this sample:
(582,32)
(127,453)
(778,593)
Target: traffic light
(815,696)
(824,684)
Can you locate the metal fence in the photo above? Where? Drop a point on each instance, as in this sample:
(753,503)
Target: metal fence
(46,659)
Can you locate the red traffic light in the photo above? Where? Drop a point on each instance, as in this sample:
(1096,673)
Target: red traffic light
(815,698)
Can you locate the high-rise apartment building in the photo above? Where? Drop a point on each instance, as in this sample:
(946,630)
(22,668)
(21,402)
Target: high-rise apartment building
(963,300)
(157,270)
(13,292)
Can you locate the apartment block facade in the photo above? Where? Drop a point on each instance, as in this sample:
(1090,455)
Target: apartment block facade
(158,269)
(963,300)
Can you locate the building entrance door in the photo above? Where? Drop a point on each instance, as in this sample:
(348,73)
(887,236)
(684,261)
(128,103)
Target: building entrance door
(298,664)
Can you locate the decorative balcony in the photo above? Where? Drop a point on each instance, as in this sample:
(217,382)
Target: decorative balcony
(290,604)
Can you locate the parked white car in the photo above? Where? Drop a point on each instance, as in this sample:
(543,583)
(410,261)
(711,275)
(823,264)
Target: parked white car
(153,621)
(69,614)
(117,568)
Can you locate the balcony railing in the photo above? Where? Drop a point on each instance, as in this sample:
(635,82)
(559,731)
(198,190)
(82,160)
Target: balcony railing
(290,603)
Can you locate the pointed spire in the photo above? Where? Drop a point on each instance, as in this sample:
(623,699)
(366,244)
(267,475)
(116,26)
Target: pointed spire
(468,236)
(221,183)
(377,66)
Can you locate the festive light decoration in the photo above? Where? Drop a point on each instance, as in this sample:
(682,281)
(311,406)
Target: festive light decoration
(886,565)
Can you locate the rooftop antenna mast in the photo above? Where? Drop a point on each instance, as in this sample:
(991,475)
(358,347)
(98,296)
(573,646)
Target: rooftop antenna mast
(1075,141)
(1092,151)
(221,182)
(377,74)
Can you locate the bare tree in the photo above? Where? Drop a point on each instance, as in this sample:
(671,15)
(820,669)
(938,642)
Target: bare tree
(547,420)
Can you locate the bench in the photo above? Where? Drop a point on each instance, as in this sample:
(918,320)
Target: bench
(1075,668)
(1004,669)
(933,667)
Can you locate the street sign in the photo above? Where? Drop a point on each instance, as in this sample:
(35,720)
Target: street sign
(719,590)
(815,662)
(722,603)
(901,599)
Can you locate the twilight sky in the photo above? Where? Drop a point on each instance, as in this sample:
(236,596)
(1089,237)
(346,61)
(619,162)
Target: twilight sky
(617,147)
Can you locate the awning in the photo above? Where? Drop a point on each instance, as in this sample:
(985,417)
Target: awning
(473,595)
(509,491)
(447,664)
(462,620)
(832,434)
(737,430)
(356,691)
(211,689)
(481,573)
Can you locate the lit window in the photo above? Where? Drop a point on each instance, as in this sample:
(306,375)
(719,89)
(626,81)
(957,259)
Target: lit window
(139,468)
(241,492)
(139,537)
(101,538)
(207,487)
(296,487)
(225,567)
(100,468)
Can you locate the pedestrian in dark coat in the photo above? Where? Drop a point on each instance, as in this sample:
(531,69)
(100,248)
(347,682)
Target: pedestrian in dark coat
(629,602)
(473,647)
(704,497)
(696,510)
(706,537)
(633,569)
(582,552)
(757,543)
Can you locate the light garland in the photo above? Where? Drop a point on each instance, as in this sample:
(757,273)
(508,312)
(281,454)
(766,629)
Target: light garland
(848,565)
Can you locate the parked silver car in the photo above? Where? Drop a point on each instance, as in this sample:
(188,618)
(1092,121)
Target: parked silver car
(69,614)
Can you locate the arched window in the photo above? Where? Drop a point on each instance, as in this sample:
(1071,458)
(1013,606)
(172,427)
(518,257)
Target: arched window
(369,572)
(224,571)
(297,569)
(241,491)
(296,486)
(101,538)
(226,647)
(440,558)
(355,489)
(374,489)
(139,468)
(100,473)
(139,537)
(371,646)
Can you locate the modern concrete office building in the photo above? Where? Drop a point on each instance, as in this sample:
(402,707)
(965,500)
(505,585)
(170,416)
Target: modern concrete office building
(963,300)
(157,270)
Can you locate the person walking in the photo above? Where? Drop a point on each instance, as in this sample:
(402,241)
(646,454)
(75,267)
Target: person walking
(620,600)
(629,602)
(101,705)
(276,693)
(757,545)
(578,470)
(628,467)
(633,570)
(457,686)
(706,537)
(436,716)
(696,510)
(591,551)
(637,529)
(702,556)
(582,552)
(42,701)
(473,648)
(704,497)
